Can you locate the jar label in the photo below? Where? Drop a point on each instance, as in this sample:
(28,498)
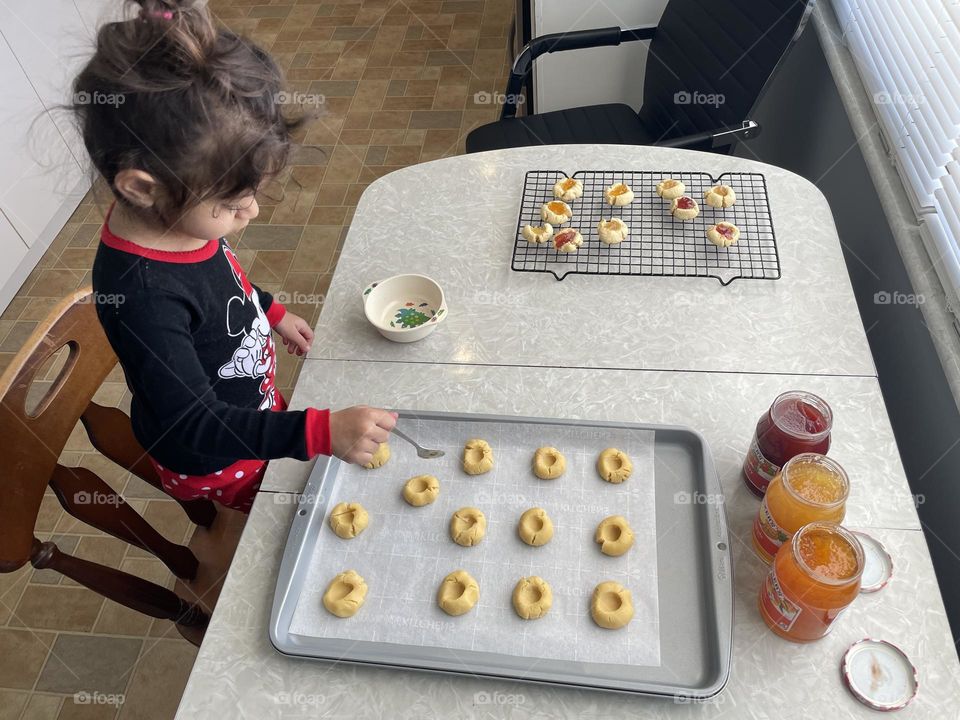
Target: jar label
(768,535)
(758,470)
(782,612)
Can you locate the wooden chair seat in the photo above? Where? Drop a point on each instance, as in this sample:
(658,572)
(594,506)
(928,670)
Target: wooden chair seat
(34,440)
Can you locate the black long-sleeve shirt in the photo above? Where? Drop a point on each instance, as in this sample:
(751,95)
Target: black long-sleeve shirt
(193,336)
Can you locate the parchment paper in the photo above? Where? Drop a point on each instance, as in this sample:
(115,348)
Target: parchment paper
(406,552)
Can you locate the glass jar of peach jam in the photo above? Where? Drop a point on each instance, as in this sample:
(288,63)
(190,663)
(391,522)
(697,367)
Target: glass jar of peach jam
(809,487)
(813,579)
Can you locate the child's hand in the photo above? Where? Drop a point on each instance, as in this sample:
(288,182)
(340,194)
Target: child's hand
(295,332)
(355,433)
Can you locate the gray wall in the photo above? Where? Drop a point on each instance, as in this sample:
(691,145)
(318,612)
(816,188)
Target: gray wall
(806,130)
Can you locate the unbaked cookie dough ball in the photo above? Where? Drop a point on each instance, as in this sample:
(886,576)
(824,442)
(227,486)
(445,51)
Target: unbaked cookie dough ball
(670,189)
(421,490)
(548,463)
(723,234)
(618,194)
(568,190)
(684,208)
(556,212)
(720,197)
(611,605)
(535,527)
(458,593)
(468,526)
(614,465)
(537,234)
(532,597)
(477,457)
(380,457)
(348,520)
(345,594)
(614,535)
(567,241)
(612,231)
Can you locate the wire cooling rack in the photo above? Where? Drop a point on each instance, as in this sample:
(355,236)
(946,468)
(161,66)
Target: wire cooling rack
(658,244)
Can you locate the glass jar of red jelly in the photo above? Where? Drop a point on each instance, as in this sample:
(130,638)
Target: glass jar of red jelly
(797,422)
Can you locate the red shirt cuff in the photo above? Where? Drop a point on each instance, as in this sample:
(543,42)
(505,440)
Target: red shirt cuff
(275,313)
(318,432)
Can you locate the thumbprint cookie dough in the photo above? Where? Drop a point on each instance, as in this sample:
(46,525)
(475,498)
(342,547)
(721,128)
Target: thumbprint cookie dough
(670,189)
(535,527)
(723,234)
(458,593)
(618,194)
(612,231)
(548,463)
(614,536)
(568,190)
(345,594)
(720,197)
(380,457)
(477,457)
(611,605)
(537,234)
(567,241)
(532,597)
(421,490)
(556,212)
(684,208)
(348,520)
(468,525)
(614,465)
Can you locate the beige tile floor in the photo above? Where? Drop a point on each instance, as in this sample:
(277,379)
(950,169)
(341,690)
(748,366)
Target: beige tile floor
(398,80)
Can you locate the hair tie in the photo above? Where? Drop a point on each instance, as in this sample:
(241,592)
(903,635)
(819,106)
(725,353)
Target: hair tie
(158,14)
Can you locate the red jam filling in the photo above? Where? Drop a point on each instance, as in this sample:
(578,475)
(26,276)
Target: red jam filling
(726,231)
(685,203)
(563,238)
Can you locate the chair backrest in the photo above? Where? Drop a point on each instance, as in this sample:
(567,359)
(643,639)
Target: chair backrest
(710,60)
(33,439)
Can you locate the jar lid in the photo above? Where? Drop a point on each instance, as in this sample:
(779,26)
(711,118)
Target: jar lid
(879,674)
(877,564)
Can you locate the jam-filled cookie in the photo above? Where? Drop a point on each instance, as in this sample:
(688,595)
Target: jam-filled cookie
(612,231)
(684,208)
(720,196)
(537,234)
(567,241)
(568,190)
(670,189)
(723,234)
(618,194)
(556,212)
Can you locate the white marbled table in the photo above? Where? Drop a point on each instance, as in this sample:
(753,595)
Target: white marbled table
(682,362)
(455,220)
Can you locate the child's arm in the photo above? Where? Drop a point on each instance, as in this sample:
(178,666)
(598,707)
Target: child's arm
(292,329)
(154,341)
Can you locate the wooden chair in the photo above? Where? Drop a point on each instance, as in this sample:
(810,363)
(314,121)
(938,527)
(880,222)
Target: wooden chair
(34,438)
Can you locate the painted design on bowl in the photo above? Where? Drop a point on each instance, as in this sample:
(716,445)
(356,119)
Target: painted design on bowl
(411,315)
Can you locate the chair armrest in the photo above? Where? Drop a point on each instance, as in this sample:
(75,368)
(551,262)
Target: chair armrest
(717,138)
(559,42)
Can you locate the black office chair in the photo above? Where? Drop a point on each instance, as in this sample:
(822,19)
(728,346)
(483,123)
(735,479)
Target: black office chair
(708,63)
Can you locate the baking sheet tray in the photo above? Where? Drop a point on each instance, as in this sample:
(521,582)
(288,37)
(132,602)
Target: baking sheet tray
(688,617)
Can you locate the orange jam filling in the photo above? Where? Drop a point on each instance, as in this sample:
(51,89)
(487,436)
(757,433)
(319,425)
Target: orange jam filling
(557,208)
(618,189)
(568,184)
(828,554)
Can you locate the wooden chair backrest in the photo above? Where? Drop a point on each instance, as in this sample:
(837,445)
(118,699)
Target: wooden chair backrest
(33,440)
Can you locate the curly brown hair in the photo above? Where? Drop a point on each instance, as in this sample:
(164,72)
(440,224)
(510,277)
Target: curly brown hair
(195,105)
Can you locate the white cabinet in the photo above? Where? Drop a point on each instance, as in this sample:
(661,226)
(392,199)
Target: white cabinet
(598,75)
(12,248)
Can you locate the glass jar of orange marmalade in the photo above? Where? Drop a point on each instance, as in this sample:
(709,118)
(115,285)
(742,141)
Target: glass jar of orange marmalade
(797,422)
(809,487)
(813,579)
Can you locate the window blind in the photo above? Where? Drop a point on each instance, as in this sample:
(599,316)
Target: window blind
(908,56)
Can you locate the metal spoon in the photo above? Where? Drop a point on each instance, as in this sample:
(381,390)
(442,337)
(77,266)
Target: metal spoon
(421,451)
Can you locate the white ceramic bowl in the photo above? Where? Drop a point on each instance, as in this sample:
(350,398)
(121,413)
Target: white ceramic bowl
(405,308)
